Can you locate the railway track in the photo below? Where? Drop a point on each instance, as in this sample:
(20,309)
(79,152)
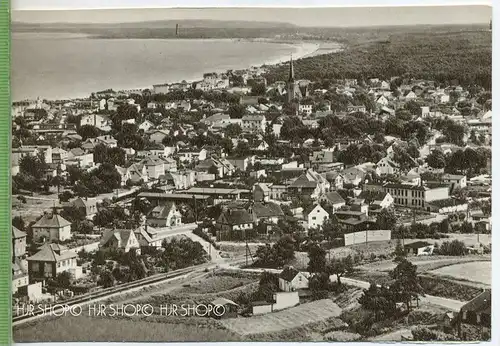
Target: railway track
(58,307)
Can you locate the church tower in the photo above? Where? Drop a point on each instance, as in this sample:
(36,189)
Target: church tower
(290,90)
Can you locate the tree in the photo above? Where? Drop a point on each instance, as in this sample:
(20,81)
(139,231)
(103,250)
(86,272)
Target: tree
(406,285)
(436,159)
(106,279)
(237,111)
(380,300)
(63,279)
(258,89)
(268,284)
(34,166)
(340,267)
(88,131)
(99,258)
(453,248)
(242,149)
(285,250)
(233,130)
(319,284)
(317,259)
(332,229)
(18,222)
(386,219)
(399,252)
(108,174)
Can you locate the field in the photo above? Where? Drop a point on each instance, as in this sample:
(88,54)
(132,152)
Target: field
(34,206)
(72,329)
(219,282)
(473,271)
(425,263)
(287,319)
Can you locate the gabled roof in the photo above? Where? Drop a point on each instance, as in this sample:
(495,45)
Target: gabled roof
(16,233)
(480,304)
(334,197)
(162,210)
(77,152)
(289,273)
(52,253)
(417,245)
(82,202)
(223,301)
(373,195)
(235,216)
(152,161)
(264,187)
(268,209)
(52,221)
(122,236)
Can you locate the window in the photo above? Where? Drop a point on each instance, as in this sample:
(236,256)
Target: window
(314,217)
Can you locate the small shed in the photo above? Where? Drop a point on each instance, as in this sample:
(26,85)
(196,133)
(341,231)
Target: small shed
(230,308)
(419,248)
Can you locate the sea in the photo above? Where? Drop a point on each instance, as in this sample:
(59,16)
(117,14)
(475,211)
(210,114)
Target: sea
(59,66)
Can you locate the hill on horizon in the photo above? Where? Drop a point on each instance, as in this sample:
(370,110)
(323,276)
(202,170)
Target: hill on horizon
(186,23)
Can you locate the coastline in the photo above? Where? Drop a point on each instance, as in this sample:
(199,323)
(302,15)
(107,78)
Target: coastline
(298,50)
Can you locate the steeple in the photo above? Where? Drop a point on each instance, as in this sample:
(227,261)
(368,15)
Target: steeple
(291,76)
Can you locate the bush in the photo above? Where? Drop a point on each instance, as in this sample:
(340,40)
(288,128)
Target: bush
(65,196)
(453,248)
(426,334)
(199,232)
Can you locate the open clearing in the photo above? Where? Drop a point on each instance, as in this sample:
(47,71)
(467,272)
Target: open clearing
(286,319)
(83,328)
(218,282)
(472,271)
(426,263)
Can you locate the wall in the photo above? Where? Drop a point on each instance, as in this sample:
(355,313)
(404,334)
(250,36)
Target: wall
(205,176)
(366,236)
(437,194)
(35,292)
(88,247)
(453,209)
(285,300)
(262,309)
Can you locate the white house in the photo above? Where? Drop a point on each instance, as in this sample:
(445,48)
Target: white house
(103,123)
(124,239)
(382,100)
(146,125)
(387,166)
(290,279)
(317,217)
(51,227)
(305,109)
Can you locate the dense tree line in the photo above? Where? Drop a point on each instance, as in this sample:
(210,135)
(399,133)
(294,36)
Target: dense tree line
(464,57)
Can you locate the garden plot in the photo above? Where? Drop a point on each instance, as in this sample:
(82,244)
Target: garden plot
(286,319)
(472,271)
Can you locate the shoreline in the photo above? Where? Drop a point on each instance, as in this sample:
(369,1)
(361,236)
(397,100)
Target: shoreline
(302,49)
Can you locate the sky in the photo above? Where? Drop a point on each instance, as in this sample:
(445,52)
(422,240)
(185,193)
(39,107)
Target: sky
(332,16)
